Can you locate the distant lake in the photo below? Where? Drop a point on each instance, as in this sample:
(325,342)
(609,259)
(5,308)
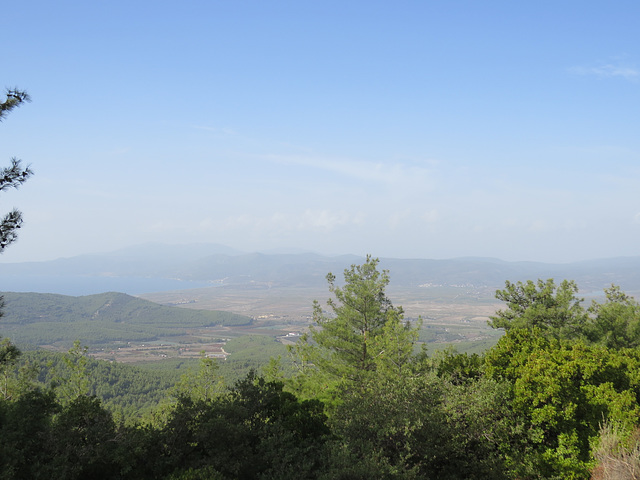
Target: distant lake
(89,285)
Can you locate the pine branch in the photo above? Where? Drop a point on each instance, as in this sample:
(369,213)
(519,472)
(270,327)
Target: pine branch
(14,176)
(14,99)
(11,222)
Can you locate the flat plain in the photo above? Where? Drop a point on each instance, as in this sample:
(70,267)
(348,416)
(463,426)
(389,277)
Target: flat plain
(450,315)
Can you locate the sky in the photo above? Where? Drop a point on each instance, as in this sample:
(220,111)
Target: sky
(407,129)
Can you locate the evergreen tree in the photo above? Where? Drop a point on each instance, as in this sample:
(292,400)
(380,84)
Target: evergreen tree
(554,309)
(74,382)
(616,322)
(362,334)
(12,176)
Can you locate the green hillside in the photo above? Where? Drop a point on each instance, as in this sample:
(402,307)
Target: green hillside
(40,319)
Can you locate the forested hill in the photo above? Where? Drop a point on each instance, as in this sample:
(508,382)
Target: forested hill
(38,318)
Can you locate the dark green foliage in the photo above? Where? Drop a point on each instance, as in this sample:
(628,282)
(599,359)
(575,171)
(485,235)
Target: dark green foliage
(381,421)
(83,441)
(203,473)
(424,427)
(255,431)
(25,425)
(9,355)
(41,439)
(479,423)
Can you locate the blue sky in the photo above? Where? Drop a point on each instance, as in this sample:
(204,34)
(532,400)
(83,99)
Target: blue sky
(405,129)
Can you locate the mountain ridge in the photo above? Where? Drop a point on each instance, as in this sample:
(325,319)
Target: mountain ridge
(160,267)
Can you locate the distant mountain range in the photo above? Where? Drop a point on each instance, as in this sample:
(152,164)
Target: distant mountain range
(158,267)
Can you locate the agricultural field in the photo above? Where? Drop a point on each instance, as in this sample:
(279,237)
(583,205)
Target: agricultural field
(451,316)
(181,326)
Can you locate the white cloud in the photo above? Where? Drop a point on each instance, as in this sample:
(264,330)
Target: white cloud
(270,222)
(609,70)
(308,220)
(394,173)
(326,220)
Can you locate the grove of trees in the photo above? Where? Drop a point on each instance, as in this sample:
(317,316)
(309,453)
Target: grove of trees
(558,397)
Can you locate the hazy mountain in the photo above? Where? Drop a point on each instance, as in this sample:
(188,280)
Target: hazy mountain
(158,267)
(150,259)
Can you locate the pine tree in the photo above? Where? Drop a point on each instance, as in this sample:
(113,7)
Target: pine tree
(12,176)
(361,335)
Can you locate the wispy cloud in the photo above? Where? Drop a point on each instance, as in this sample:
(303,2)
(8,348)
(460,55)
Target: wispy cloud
(326,220)
(362,170)
(307,220)
(609,70)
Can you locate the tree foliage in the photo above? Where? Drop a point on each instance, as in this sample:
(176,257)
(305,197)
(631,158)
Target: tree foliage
(203,384)
(256,430)
(361,334)
(558,397)
(12,176)
(73,382)
(562,391)
(616,322)
(424,426)
(554,309)
(14,99)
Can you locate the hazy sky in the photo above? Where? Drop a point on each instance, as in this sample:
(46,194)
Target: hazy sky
(423,129)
